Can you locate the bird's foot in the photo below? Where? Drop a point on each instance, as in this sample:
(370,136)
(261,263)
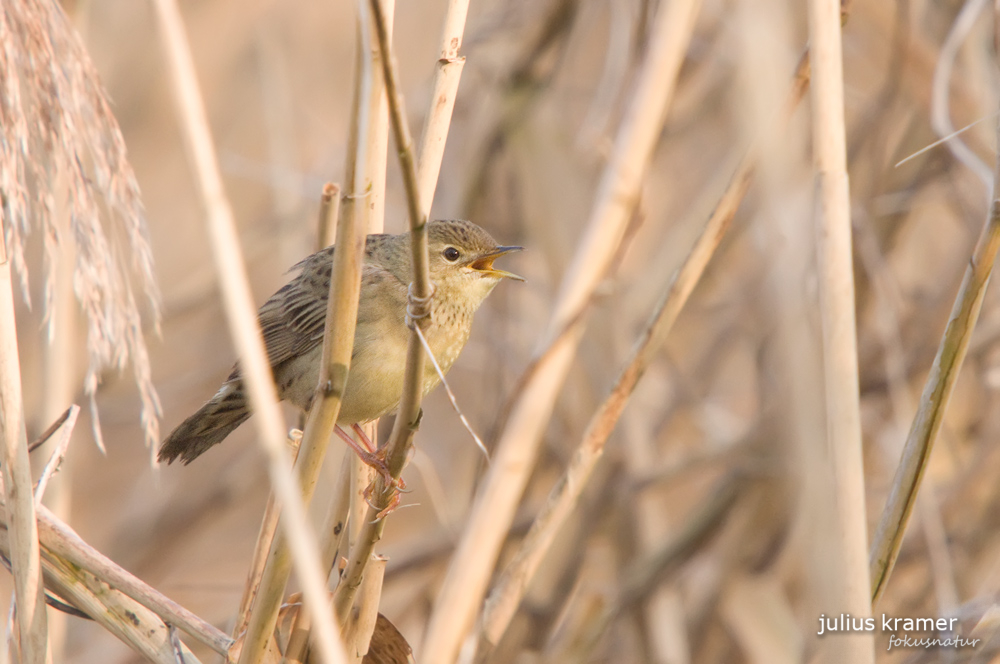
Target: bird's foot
(374,458)
(390,506)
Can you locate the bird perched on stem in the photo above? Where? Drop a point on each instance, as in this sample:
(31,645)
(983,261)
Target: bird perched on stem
(292,320)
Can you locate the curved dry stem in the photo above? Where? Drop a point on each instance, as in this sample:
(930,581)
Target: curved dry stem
(58,539)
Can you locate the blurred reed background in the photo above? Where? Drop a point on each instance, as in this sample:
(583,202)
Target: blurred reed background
(725,414)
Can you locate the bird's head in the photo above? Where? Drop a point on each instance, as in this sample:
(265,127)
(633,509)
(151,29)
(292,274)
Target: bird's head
(461,260)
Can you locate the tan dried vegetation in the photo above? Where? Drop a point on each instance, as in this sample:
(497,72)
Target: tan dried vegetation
(668,172)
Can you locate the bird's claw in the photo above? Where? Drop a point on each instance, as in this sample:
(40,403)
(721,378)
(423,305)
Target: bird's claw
(395,487)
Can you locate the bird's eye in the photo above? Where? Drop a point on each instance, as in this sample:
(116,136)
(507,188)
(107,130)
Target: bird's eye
(451,254)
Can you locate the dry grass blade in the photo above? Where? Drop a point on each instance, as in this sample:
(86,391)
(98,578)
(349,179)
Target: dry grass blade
(245,330)
(840,353)
(451,396)
(32,632)
(497,499)
(934,399)
(58,130)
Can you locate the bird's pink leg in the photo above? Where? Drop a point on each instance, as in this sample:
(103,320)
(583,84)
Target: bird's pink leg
(365,440)
(374,458)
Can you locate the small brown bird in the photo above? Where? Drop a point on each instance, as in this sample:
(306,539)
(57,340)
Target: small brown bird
(292,321)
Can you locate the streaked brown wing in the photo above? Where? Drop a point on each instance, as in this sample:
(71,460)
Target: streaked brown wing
(292,320)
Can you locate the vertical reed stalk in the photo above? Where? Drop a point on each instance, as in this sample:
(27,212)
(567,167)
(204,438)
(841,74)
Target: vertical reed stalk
(32,630)
(840,355)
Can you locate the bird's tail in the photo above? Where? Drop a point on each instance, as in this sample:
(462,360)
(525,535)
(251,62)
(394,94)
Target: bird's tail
(209,426)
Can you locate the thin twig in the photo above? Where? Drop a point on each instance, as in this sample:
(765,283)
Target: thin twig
(496,501)
(243,322)
(58,454)
(48,433)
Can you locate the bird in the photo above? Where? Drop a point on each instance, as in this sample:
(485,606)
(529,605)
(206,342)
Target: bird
(461,256)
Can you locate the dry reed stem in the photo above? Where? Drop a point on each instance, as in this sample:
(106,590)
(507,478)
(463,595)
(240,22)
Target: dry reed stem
(265,538)
(369,136)
(376,135)
(934,399)
(362,623)
(563,497)
(338,341)
(243,325)
(840,353)
(58,539)
(32,630)
(126,619)
(332,536)
(889,330)
(495,504)
(447,76)
(329,213)
(337,516)
(418,310)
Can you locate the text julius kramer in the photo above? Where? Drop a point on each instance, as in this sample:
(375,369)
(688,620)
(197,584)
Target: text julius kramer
(848,623)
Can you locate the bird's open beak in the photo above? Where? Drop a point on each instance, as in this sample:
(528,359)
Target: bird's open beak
(484,264)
